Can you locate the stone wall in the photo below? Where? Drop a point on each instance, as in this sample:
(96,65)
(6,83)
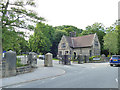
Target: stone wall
(96,49)
(8,67)
(22,70)
(63,50)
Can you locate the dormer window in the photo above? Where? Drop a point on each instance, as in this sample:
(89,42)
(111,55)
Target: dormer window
(96,43)
(63,45)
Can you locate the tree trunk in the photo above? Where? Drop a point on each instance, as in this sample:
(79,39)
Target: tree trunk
(109,53)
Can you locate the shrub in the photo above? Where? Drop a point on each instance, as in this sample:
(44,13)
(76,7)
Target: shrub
(108,55)
(18,63)
(90,58)
(37,56)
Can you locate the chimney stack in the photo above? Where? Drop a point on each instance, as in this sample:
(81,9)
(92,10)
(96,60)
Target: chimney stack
(72,34)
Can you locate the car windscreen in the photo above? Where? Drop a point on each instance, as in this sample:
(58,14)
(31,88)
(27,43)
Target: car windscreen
(114,57)
(119,57)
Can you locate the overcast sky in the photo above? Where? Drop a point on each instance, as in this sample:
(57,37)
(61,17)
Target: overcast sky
(79,13)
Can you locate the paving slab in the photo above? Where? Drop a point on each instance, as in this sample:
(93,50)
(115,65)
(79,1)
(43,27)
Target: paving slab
(40,73)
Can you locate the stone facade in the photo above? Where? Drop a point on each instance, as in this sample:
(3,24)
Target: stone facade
(64,47)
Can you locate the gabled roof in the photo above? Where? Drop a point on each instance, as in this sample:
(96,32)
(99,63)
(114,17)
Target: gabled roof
(83,41)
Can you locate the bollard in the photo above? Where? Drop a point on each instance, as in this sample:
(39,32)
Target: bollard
(48,60)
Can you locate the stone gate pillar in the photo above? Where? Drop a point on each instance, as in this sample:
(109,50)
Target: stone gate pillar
(32,59)
(48,60)
(10,63)
(80,59)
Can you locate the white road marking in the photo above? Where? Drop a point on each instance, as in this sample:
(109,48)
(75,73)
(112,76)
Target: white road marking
(93,67)
(116,80)
(18,85)
(67,66)
(43,82)
(53,78)
(15,86)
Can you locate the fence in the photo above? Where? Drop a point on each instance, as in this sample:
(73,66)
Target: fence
(23,59)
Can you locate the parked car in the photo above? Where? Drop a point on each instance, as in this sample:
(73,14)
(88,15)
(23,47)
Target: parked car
(42,57)
(115,60)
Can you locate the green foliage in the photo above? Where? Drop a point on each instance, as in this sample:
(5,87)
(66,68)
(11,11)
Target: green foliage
(59,32)
(69,28)
(111,42)
(14,17)
(108,55)
(39,43)
(91,58)
(117,28)
(57,37)
(97,28)
(17,14)
(18,63)
(55,59)
(37,56)
(47,30)
(13,40)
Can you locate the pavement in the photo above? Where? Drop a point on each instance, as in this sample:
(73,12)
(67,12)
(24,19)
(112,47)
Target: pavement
(38,74)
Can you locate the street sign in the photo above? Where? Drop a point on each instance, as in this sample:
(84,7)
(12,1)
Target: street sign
(96,58)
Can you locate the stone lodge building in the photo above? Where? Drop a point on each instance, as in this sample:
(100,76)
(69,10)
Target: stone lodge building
(83,45)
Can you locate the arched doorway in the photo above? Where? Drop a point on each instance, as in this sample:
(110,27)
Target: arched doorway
(74,55)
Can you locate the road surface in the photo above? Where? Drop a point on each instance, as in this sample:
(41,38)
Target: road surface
(88,75)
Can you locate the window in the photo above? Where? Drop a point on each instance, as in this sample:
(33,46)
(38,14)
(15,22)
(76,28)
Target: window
(63,45)
(119,57)
(75,55)
(60,53)
(70,52)
(96,43)
(80,51)
(90,53)
(66,52)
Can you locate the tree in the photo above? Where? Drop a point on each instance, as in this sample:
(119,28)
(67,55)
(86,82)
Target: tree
(117,28)
(57,37)
(39,43)
(47,30)
(13,41)
(15,16)
(111,42)
(97,28)
(0,42)
(69,28)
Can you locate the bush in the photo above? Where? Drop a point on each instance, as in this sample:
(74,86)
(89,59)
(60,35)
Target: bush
(108,55)
(37,56)
(18,63)
(98,56)
(55,59)
(91,58)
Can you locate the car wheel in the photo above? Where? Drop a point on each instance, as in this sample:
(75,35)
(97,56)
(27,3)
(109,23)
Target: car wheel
(111,64)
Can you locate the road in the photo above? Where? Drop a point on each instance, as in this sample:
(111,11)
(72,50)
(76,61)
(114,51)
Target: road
(89,75)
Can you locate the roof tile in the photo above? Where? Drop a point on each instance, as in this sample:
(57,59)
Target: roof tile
(83,41)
